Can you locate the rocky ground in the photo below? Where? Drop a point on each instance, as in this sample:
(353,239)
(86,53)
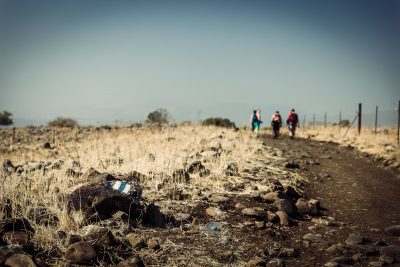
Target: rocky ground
(281,203)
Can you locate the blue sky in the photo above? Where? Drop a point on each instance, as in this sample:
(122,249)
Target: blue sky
(101,61)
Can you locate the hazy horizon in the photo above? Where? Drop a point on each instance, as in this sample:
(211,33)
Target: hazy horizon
(102,61)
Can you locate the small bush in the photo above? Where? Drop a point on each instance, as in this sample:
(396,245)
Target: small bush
(344,123)
(63,122)
(220,122)
(5,118)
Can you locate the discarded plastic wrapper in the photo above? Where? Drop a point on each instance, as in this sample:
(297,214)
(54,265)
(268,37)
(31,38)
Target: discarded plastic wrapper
(119,186)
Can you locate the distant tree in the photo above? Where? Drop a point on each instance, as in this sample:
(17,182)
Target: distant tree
(5,118)
(63,122)
(220,122)
(160,115)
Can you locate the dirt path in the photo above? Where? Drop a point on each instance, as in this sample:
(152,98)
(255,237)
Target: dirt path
(353,189)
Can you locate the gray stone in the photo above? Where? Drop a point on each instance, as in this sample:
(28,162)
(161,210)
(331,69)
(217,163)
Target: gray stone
(213,228)
(393,230)
(250,212)
(355,239)
(392,251)
(313,237)
(216,213)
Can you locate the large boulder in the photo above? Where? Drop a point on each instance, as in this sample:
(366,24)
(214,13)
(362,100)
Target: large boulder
(102,200)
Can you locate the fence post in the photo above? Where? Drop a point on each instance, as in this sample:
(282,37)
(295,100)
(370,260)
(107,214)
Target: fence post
(398,125)
(359,118)
(376,119)
(340,119)
(304,122)
(325,120)
(313,121)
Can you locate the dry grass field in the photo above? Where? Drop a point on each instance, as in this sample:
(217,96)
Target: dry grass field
(40,177)
(195,195)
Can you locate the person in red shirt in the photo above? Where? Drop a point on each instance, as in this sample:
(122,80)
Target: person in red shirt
(292,122)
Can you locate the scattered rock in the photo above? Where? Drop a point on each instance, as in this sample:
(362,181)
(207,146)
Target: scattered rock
(239,206)
(217,198)
(250,212)
(100,236)
(136,240)
(314,206)
(80,252)
(182,217)
(313,237)
(272,196)
(355,239)
(216,213)
(153,217)
(213,228)
(275,263)
(272,217)
(376,263)
(283,218)
(134,261)
(260,224)
(292,165)
(256,262)
(20,260)
(302,206)
(284,205)
(153,243)
(391,251)
(393,230)
(46,145)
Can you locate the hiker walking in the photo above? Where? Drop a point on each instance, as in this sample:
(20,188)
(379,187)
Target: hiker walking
(292,123)
(256,121)
(276,124)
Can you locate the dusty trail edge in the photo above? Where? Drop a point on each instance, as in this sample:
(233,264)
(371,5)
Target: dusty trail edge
(354,190)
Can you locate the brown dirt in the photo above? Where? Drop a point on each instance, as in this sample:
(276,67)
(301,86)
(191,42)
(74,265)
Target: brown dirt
(351,187)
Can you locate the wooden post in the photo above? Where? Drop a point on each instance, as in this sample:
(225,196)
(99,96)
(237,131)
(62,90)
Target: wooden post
(313,121)
(340,119)
(376,120)
(359,118)
(398,125)
(304,122)
(325,120)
